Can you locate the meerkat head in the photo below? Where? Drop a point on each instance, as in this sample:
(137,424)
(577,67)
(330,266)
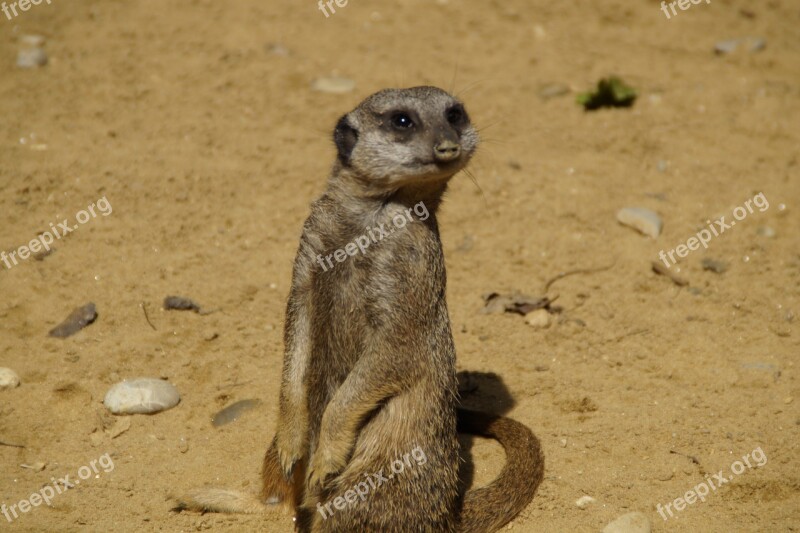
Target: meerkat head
(401,136)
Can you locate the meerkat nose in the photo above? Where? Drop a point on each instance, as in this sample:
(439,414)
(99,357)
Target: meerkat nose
(446,151)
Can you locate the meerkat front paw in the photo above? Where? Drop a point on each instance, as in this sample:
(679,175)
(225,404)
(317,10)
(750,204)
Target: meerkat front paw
(327,461)
(319,471)
(290,441)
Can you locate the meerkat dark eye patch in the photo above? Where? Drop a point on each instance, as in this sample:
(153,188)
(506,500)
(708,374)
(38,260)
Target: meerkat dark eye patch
(345,136)
(456,115)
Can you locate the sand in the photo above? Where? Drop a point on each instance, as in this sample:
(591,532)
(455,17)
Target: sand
(196,122)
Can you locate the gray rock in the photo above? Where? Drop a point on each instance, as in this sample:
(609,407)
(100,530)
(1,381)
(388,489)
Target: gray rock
(233,412)
(8,379)
(766,231)
(716,266)
(726,47)
(629,523)
(643,220)
(141,396)
(31,58)
(753,44)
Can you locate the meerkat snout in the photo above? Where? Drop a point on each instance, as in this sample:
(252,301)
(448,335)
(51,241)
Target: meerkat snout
(446,151)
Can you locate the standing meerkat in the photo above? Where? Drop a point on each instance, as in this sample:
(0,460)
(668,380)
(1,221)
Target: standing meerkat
(369,373)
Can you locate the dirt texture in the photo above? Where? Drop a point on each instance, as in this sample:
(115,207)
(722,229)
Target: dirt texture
(197,122)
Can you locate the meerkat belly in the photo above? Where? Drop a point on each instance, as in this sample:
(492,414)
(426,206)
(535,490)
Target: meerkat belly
(406,455)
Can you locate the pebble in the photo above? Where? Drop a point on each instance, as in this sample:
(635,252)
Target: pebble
(584,501)
(552,90)
(766,231)
(32,40)
(141,396)
(333,85)
(716,266)
(277,49)
(233,412)
(643,220)
(8,379)
(539,318)
(76,321)
(179,303)
(629,523)
(753,44)
(31,58)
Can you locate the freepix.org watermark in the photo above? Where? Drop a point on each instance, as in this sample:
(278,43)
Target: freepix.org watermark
(373,235)
(362,489)
(714,230)
(43,241)
(57,486)
(712,483)
(23,5)
(682,4)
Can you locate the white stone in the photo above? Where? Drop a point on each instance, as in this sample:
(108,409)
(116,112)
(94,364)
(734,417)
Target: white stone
(584,501)
(643,220)
(31,58)
(8,379)
(629,523)
(333,85)
(141,396)
(540,318)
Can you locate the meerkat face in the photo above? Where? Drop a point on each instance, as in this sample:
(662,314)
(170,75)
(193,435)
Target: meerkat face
(401,136)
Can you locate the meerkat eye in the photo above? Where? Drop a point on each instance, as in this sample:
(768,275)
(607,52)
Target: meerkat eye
(455,115)
(402,121)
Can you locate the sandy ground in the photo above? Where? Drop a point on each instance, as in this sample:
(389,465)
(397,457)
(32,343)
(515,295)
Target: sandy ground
(196,121)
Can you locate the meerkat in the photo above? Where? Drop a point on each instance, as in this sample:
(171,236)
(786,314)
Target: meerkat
(369,371)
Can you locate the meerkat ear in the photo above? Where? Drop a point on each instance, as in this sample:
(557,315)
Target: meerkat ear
(345,136)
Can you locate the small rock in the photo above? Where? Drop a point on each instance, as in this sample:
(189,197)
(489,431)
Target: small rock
(726,47)
(233,412)
(563,443)
(753,44)
(183,445)
(629,523)
(659,268)
(76,321)
(333,85)
(8,379)
(643,220)
(31,40)
(718,267)
(277,49)
(179,303)
(141,396)
(766,231)
(539,318)
(31,58)
(36,467)
(552,90)
(584,501)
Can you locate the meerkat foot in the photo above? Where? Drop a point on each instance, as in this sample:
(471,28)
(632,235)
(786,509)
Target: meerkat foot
(276,486)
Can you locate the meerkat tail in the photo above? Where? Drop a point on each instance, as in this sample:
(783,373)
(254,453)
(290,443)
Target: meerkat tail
(220,501)
(490,508)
